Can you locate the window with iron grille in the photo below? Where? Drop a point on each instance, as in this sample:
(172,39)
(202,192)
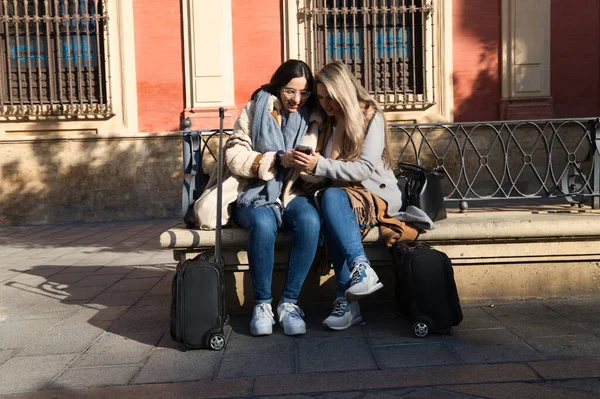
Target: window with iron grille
(388,44)
(53,59)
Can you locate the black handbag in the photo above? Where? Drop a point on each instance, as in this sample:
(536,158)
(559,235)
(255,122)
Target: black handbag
(423,189)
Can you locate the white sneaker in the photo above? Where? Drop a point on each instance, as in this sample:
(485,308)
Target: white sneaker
(363,281)
(343,315)
(262,320)
(290,317)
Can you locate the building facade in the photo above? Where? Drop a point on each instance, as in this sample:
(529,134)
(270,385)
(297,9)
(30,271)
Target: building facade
(93,91)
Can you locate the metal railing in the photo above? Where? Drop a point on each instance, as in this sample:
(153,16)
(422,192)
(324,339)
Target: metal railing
(482,161)
(508,160)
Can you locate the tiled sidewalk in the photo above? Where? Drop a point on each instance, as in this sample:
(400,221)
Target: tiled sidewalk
(84,311)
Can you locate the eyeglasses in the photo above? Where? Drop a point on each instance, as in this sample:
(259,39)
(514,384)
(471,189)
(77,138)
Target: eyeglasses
(289,92)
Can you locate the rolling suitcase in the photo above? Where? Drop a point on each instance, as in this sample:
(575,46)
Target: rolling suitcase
(198,301)
(425,288)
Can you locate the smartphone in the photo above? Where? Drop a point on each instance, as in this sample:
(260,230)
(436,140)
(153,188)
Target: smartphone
(303,148)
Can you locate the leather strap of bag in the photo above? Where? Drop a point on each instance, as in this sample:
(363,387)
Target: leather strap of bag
(408,167)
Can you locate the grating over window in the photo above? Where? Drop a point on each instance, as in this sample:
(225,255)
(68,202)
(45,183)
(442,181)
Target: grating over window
(53,59)
(387,43)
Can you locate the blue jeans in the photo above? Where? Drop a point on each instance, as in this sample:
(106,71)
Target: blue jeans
(343,235)
(302,219)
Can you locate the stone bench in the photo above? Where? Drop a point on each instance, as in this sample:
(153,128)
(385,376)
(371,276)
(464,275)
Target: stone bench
(498,254)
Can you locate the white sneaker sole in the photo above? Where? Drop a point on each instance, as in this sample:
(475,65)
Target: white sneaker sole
(359,319)
(262,331)
(295,331)
(355,296)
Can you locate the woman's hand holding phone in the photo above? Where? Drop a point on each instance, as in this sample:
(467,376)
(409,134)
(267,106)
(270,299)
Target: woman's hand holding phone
(305,158)
(287,159)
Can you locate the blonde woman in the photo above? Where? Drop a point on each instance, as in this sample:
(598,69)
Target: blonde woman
(355,153)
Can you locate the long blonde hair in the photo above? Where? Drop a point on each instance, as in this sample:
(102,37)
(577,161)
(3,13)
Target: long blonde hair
(344,88)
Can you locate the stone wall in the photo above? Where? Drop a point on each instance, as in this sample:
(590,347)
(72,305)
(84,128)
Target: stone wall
(88,179)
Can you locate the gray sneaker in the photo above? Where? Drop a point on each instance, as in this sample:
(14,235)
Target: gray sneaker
(363,281)
(343,315)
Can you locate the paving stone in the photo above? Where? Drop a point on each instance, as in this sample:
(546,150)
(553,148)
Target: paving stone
(166,342)
(581,311)
(31,373)
(491,345)
(394,330)
(15,334)
(167,365)
(100,259)
(332,354)
(95,376)
(69,276)
(564,369)
(238,388)
(392,379)
(65,338)
(153,304)
(7,275)
(118,298)
(76,294)
(315,329)
(103,280)
(114,349)
(105,270)
(436,393)
(131,259)
(483,337)
(257,364)
(131,324)
(147,272)
(92,313)
(530,320)
(518,390)
(50,309)
(134,284)
(477,318)
(414,355)
(241,342)
(17,304)
(497,353)
(162,288)
(6,354)
(590,385)
(567,346)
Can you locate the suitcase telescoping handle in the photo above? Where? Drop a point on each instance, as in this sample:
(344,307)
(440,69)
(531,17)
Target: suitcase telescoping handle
(219,188)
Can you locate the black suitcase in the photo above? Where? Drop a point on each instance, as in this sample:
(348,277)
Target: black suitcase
(425,288)
(198,301)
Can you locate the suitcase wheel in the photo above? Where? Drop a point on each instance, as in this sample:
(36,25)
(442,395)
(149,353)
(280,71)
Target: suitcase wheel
(217,342)
(420,329)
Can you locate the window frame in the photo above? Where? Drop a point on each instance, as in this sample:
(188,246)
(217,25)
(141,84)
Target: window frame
(438,78)
(54,60)
(122,89)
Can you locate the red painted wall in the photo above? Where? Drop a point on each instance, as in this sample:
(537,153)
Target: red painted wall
(159,64)
(257,45)
(477,42)
(575,59)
